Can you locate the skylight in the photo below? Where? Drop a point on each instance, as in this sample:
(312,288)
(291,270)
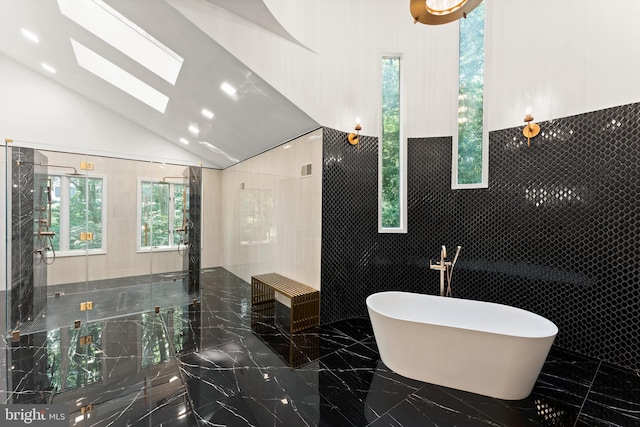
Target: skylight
(110,72)
(106,23)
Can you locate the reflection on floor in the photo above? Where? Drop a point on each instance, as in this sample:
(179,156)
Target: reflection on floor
(117,297)
(201,364)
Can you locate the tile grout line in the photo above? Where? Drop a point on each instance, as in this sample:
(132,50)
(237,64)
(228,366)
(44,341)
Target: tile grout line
(593,380)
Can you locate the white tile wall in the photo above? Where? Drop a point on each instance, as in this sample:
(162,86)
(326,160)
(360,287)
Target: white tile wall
(295,252)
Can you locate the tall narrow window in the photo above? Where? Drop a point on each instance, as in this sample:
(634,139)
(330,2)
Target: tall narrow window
(163,214)
(392,150)
(471,149)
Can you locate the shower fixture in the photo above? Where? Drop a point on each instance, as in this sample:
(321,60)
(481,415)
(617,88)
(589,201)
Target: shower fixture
(74,173)
(43,231)
(164,178)
(184,231)
(446,270)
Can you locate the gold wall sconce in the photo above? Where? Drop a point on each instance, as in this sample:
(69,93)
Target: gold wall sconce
(531,130)
(354,138)
(436,12)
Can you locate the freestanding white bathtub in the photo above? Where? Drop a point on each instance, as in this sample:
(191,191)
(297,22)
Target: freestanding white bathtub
(482,347)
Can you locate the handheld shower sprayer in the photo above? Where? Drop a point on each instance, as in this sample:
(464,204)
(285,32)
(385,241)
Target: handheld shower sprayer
(450,270)
(455,258)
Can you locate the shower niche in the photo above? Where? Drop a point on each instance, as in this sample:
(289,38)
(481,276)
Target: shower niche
(93,237)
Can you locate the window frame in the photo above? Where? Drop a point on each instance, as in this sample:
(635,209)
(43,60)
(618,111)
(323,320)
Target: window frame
(403,145)
(65,215)
(484,178)
(172,245)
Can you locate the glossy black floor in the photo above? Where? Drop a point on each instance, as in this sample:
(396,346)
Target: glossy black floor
(231,375)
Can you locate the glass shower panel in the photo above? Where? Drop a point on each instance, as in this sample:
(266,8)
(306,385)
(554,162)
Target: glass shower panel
(102,278)
(166,198)
(35,311)
(29,249)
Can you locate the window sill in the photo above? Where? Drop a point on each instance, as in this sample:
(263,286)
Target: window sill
(160,249)
(77,253)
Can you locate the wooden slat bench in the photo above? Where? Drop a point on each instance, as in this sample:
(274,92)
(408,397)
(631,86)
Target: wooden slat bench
(305,301)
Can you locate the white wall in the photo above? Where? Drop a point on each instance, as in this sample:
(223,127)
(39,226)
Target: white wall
(212,208)
(295,252)
(568,58)
(557,58)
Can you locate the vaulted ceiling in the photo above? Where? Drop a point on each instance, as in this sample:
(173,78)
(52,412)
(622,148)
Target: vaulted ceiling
(252,120)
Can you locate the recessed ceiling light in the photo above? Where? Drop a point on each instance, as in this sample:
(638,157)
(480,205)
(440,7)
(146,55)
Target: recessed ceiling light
(228,89)
(194,130)
(28,34)
(184,141)
(208,114)
(49,68)
(108,24)
(110,72)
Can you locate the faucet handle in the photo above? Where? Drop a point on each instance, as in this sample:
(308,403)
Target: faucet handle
(437,266)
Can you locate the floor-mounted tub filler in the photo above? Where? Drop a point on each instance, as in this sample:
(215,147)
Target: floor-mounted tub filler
(476,346)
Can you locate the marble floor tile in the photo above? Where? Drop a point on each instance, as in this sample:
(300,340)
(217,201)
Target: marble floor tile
(613,400)
(198,361)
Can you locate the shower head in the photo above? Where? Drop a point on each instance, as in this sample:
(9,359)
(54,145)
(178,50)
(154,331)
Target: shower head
(164,179)
(74,173)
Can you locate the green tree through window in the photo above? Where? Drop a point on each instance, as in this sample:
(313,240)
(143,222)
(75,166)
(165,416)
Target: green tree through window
(164,209)
(85,212)
(470,97)
(391,176)
(77,205)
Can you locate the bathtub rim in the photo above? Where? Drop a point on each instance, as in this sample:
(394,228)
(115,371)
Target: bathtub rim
(523,334)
